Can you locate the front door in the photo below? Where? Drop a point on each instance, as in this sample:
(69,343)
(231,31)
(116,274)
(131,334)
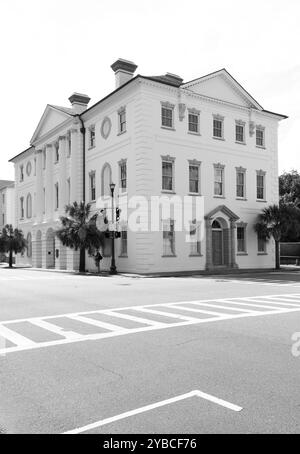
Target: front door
(217,247)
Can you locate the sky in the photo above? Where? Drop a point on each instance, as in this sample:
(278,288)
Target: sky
(49,49)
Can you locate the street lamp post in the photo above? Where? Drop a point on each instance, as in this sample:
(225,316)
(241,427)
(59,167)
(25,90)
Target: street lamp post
(113,268)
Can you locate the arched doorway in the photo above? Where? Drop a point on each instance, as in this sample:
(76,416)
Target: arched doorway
(50,249)
(217,243)
(105,180)
(38,249)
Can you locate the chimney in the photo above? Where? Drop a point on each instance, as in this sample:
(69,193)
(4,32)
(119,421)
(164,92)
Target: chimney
(123,70)
(79,102)
(174,79)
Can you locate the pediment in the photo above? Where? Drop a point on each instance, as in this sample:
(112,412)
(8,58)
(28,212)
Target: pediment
(223,210)
(51,118)
(221,85)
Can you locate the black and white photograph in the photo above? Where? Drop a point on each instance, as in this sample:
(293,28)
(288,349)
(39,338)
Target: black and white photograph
(149,220)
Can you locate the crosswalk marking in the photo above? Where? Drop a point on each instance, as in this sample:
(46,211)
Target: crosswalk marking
(92,321)
(241,307)
(166,314)
(54,328)
(14,337)
(133,318)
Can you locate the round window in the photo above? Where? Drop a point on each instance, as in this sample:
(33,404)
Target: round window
(28,168)
(105,128)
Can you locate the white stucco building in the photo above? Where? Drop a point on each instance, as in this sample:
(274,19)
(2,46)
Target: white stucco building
(7,203)
(207,139)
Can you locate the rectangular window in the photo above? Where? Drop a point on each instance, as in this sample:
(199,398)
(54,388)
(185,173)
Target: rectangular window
(21,173)
(218,128)
(56,191)
(194,123)
(195,243)
(240,184)
(123,176)
(123,252)
(122,120)
(241,239)
(219,181)
(260,137)
(240,133)
(56,152)
(92,186)
(261,244)
(168,239)
(260,186)
(194,178)
(44,200)
(69,190)
(92,136)
(22,208)
(167,117)
(167,176)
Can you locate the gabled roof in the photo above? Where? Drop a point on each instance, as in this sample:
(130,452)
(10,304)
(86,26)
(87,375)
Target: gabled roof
(6,184)
(225,74)
(64,113)
(20,154)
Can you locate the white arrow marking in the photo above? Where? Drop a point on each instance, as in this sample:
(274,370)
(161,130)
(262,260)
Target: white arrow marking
(140,410)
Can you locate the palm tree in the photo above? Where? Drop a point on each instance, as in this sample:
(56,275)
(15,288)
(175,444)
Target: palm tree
(274,222)
(79,231)
(12,241)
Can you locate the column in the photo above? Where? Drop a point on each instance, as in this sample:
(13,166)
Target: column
(39,186)
(208,232)
(49,185)
(233,244)
(76,165)
(62,175)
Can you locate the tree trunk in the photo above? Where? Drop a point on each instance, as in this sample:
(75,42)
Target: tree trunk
(277,256)
(82,260)
(10,261)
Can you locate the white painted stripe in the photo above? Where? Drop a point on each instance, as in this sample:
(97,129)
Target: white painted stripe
(283,301)
(212,305)
(146,408)
(252,304)
(98,323)
(55,329)
(15,338)
(169,314)
(133,318)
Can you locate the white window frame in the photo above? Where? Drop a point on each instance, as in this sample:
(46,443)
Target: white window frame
(122,120)
(240,170)
(243,226)
(219,118)
(240,124)
(261,129)
(122,163)
(92,136)
(195,163)
(21,173)
(170,107)
(264,251)
(22,208)
(124,241)
(195,245)
(168,228)
(219,167)
(92,179)
(56,194)
(261,173)
(168,160)
(195,113)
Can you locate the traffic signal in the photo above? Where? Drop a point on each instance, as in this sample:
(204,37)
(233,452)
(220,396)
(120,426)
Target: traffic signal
(118,214)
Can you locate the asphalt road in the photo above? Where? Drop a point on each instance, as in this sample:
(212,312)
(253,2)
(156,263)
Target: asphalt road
(246,361)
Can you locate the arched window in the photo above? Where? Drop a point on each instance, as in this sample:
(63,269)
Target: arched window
(29,245)
(216,225)
(105,179)
(29,206)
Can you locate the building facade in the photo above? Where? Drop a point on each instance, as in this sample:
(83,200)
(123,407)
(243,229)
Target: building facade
(205,143)
(7,203)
